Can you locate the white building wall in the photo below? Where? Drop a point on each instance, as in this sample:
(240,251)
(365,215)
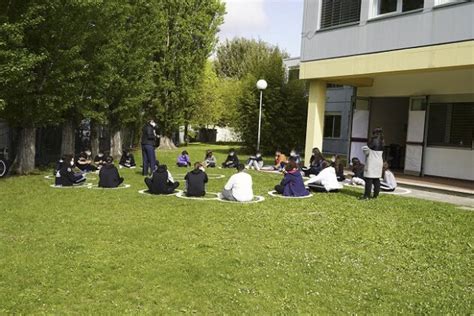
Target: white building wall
(227,134)
(451,163)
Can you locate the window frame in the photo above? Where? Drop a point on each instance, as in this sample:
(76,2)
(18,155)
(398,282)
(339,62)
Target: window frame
(333,114)
(450,108)
(327,28)
(375,5)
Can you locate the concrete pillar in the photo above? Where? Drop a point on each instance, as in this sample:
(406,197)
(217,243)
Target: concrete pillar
(315,121)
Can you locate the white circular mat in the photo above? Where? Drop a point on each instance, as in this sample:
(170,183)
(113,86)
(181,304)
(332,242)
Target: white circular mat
(182,195)
(281,196)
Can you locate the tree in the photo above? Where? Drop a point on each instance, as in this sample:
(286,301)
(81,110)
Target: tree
(190,35)
(284,110)
(40,66)
(208,106)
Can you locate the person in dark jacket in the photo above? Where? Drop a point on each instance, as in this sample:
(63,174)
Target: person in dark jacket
(161,182)
(66,174)
(109,176)
(232,160)
(84,163)
(57,171)
(99,160)
(292,183)
(196,181)
(148,147)
(315,162)
(127,160)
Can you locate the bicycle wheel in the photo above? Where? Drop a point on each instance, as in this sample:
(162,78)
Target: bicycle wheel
(3,168)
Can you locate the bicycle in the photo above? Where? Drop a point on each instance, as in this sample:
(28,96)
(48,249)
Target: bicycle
(3,168)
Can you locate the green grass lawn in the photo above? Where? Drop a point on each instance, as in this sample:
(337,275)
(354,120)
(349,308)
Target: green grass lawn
(87,251)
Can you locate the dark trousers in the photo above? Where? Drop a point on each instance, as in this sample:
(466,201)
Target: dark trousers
(168,189)
(149,159)
(368,187)
(279,188)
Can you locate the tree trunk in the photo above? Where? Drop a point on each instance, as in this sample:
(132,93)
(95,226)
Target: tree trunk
(24,161)
(166,143)
(94,139)
(116,144)
(186,132)
(68,141)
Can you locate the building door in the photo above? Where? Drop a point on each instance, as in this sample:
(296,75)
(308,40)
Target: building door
(359,127)
(415,135)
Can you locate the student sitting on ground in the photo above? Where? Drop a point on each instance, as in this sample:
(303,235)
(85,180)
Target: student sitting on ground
(127,160)
(337,164)
(239,186)
(232,160)
(161,181)
(280,160)
(373,165)
(99,160)
(358,172)
(84,163)
(255,162)
(388,183)
(183,160)
(292,183)
(67,176)
(109,176)
(196,181)
(210,160)
(295,156)
(325,181)
(57,171)
(314,163)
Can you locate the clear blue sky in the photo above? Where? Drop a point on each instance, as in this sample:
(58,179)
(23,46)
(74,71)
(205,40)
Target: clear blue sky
(278,22)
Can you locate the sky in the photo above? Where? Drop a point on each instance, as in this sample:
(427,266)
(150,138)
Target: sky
(278,22)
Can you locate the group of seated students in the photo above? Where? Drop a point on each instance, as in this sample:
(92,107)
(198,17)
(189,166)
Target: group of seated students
(324,175)
(69,172)
(388,183)
(209,161)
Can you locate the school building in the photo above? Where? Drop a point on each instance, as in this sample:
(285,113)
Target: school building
(411,63)
(337,113)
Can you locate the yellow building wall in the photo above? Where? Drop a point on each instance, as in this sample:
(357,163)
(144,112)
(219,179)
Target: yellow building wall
(460,81)
(454,55)
(315,120)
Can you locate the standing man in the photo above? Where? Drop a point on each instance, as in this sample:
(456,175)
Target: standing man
(148,147)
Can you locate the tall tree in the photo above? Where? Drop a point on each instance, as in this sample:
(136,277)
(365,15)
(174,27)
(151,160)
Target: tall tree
(284,110)
(190,35)
(40,66)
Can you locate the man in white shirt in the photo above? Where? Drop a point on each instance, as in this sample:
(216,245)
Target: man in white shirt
(326,179)
(239,186)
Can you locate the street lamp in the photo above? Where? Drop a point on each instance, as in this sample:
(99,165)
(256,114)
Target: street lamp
(261,85)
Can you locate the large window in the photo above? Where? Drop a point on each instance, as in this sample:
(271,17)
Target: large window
(339,12)
(451,124)
(332,125)
(381,7)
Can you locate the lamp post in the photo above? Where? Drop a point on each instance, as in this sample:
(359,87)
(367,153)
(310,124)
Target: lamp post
(261,85)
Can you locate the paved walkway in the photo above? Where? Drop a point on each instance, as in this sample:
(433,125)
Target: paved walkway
(465,201)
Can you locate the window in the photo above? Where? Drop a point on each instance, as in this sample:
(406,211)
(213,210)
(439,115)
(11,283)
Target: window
(451,124)
(441,2)
(381,7)
(332,125)
(339,12)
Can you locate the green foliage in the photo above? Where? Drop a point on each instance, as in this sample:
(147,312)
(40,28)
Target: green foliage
(208,102)
(40,59)
(189,31)
(90,251)
(103,60)
(284,111)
